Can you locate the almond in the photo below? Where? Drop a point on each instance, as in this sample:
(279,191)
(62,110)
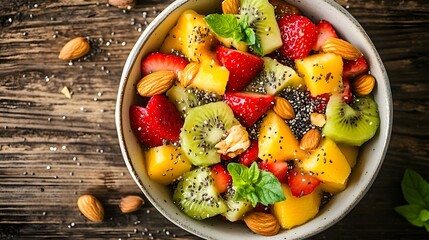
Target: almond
(74,49)
(155,83)
(262,223)
(188,74)
(128,4)
(230,6)
(283,108)
(341,47)
(310,140)
(318,119)
(91,208)
(364,84)
(130,204)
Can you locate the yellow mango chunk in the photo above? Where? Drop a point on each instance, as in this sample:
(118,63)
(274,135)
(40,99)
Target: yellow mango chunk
(322,73)
(295,211)
(276,141)
(329,165)
(166,163)
(211,77)
(350,152)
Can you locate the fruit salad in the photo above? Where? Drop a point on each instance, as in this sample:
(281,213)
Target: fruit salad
(255,112)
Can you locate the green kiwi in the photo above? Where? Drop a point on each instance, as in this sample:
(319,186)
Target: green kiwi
(352,124)
(275,77)
(236,208)
(197,196)
(203,128)
(182,98)
(262,19)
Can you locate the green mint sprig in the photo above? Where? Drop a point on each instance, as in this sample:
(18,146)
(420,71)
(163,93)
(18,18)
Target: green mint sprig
(255,185)
(416,192)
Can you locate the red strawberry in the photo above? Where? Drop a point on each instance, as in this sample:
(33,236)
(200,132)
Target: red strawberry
(248,107)
(158,122)
(158,61)
(242,67)
(279,169)
(325,31)
(225,158)
(298,35)
(250,155)
(301,183)
(347,92)
(323,99)
(221,177)
(351,68)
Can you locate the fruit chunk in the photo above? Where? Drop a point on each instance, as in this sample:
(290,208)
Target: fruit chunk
(324,31)
(204,127)
(298,35)
(350,152)
(278,169)
(248,107)
(197,196)
(222,179)
(301,183)
(295,211)
(352,68)
(242,67)
(276,141)
(158,122)
(160,61)
(166,163)
(322,73)
(250,155)
(182,98)
(328,164)
(237,209)
(352,124)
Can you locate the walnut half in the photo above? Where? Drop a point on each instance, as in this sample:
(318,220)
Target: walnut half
(235,143)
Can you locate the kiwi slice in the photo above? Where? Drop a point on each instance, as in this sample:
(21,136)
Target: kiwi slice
(197,196)
(352,124)
(275,77)
(182,98)
(236,208)
(261,18)
(203,128)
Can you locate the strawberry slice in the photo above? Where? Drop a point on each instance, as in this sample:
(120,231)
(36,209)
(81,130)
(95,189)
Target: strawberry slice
(325,31)
(158,61)
(242,67)
(323,99)
(222,179)
(352,69)
(160,121)
(298,34)
(248,107)
(250,155)
(279,169)
(301,183)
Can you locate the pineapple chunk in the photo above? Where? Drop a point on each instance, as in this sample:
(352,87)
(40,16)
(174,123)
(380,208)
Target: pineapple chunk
(322,73)
(295,211)
(276,140)
(350,152)
(166,163)
(329,165)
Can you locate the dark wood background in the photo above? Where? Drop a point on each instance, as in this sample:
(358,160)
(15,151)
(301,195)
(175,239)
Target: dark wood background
(53,149)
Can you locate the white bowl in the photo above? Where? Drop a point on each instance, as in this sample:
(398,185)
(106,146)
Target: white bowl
(363,174)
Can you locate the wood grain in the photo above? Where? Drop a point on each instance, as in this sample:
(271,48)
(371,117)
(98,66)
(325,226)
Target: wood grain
(53,149)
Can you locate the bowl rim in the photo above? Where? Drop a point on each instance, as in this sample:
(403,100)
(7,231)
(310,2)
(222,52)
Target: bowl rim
(132,58)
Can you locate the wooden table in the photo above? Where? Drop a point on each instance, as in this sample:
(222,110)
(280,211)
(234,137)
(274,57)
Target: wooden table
(53,149)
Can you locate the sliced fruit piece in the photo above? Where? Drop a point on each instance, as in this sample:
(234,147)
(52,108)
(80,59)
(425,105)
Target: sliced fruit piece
(283,8)
(351,68)
(301,183)
(322,73)
(166,163)
(328,164)
(298,35)
(222,179)
(197,196)
(182,98)
(204,127)
(250,155)
(352,124)
(295,211)
(242,67)
(158,61)
(278,169)
(212,76)
(265,28)
(350,152)
(276,141)
(237,209)
(159,122)
(248,107)
(325,31)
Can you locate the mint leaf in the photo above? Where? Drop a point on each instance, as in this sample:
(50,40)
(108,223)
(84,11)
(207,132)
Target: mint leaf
(255,185)
(424,215)
(257,47)
(411,213)
(415,189)
(225,25)
(250,36)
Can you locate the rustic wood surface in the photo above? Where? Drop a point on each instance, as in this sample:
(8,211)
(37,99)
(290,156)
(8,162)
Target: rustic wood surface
(53,149)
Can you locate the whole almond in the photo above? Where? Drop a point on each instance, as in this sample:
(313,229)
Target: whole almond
(128,4)
(74,49)
(187,75)
(155,83)
(364,84)
(130,204)
(310,140)
(91,208)
(283,108)
(262,223)
(230,6)
(318,119)
(341,47)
